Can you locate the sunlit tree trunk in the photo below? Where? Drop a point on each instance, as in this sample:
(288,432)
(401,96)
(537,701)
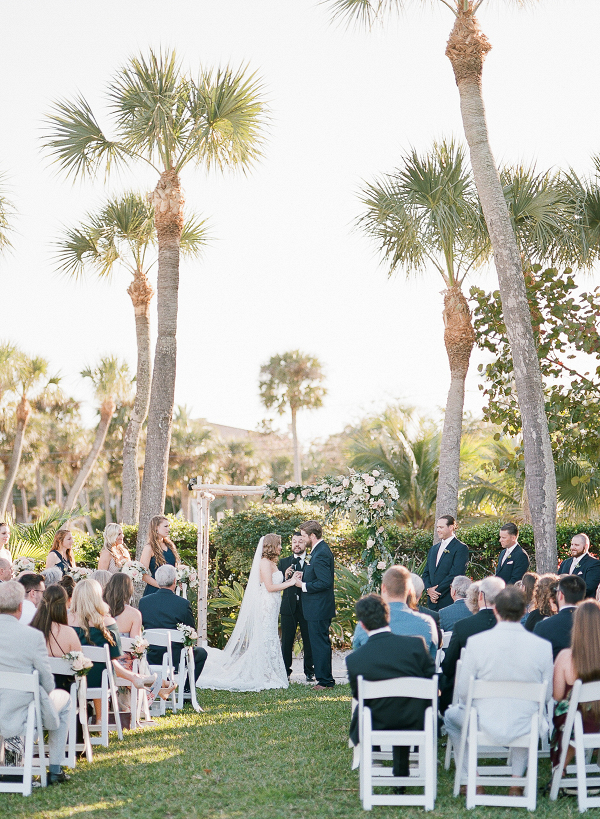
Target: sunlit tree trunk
(106,491)
(467,48)
(107,411)
(141,294)
(23,413)
(297,461)
(24,504)
(168,209)
(39,488)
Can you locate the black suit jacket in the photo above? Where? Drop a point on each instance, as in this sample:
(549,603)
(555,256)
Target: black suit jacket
(291,599)
(452,563)
(436,619)
(588,569)
(557,629)
(515,567)
(164,609)
(383,657)
(482,621)
(318,601)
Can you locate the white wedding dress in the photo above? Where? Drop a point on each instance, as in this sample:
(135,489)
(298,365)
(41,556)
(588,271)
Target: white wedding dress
(252,659)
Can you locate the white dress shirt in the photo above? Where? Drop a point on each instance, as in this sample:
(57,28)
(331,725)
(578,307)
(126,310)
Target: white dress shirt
(508,553)
(443,544)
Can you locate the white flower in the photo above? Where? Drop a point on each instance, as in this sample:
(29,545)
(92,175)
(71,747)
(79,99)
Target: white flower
(381,565)
(291,496)
(380,530)
(369,480)
(394,492)
(304,493)
(357,489)
(376,473)
(370,543)
(346,483)
(377,489)
(288,484)
(281,489)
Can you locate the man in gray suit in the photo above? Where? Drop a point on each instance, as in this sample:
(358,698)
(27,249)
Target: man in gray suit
(504,653)
(23,651)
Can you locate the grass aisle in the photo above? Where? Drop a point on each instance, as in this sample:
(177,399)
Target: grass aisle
(268,755)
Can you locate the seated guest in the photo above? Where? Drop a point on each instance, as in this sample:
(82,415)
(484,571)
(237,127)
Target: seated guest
(582,564)
(51,576)
(396,585)
(458,610)
(101,577)
(114,553)
(23,651)
(68,585)
(413,603)
(51,619)
(472,597)
(504,653)
(527,585)
(5,570)
(95,627)
(385,656)
(513,561)
(165,609)
(580,662)
(557,629)
(543,601)
(489,589)
(34,589)
(61,553)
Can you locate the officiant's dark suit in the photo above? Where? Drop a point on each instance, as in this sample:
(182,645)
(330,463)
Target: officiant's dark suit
(588,569)
(453,562)
(514,566)
(383,657)
(318,607)
(292,617)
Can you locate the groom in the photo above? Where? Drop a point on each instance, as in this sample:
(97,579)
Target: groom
(318,601)
(291,609)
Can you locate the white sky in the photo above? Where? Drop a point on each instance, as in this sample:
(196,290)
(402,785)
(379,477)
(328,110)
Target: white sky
(286,270)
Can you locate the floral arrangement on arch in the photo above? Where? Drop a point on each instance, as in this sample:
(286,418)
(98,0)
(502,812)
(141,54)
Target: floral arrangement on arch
(80,573)
(369,496)
(134,569)
(23,564)
(187,575)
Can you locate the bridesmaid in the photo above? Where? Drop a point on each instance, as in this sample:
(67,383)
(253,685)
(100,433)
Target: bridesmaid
(158,551)
(4,538)
(114,553)
(61,554)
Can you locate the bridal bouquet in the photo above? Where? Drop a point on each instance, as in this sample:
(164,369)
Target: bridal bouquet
(80,573)
(23,564)
(80,664)
(190,635)
(134,569)
(188,575)
(139,646)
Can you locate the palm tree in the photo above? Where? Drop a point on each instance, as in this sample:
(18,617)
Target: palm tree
(427,213)
(112,383)
(123,231)
(466,49)
(167,120)
(7,212)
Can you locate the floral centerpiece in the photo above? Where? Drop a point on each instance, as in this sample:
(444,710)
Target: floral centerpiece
(187,575)
(369,496)
(23,564)
(139,646)
(190,635)
(134,569)
(80,573)
(80,664)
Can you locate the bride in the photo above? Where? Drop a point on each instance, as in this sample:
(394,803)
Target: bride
(252,659)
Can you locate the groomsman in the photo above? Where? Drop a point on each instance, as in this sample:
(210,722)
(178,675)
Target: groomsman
(513,561)
(582,564)
(291,609)
(318,601)
(446,560)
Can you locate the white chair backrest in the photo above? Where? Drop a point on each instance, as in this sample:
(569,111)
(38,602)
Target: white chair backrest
(500,689)
(15,681)
(97,654)
(60,666)
(588,692)
(126,643)
(417,687)
(159,637)
(446,637)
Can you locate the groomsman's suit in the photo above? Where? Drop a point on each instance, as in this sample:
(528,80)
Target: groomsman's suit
(383,657)
(453,561)
(292,617)
(588,569)
(515,565)
(318,607)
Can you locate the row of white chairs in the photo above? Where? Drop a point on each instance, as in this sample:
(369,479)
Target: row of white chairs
(35,757)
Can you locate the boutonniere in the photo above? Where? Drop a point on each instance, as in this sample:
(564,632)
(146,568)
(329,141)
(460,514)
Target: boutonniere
(307,561)
(446,552)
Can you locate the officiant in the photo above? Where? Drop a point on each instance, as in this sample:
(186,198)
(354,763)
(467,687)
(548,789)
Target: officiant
(291,609)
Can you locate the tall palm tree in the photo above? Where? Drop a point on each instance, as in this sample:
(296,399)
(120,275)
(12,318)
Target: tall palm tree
(112,383)
(7,213)
(168,120)
(466,49)
(123,232)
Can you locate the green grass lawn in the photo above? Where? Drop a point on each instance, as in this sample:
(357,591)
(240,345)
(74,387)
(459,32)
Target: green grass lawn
(273,754)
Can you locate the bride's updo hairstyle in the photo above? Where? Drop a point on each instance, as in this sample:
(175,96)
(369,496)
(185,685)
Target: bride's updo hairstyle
(271,544)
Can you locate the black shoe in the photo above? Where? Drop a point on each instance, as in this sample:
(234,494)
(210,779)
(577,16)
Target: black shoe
(399,790)
(58,778)
(310,678)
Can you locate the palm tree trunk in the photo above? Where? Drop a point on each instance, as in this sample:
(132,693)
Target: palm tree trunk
(24,504)
(168,210)
(459,338)
(297,462)
(466,50)
(39,488)
(58,492)
(106,490)
(141,293)
(107,411)
(23,413)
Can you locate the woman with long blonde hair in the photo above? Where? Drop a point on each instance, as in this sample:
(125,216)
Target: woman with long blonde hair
(114,553)
(159,550)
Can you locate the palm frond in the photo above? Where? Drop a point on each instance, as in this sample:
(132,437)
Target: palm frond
(362,12)
(578,486)
(76,142)
(7,213)
(194,236)
(35,539)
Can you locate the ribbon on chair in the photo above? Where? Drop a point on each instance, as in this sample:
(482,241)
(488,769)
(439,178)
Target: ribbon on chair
(191,669)
(82,708)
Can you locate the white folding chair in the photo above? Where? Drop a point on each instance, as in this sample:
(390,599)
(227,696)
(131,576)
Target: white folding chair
(138,700)
(107,694)
(186,670)
(60,666)
(32,765)
(501,775)
(584,744)
(424,773)
(449,748)
(161,637)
